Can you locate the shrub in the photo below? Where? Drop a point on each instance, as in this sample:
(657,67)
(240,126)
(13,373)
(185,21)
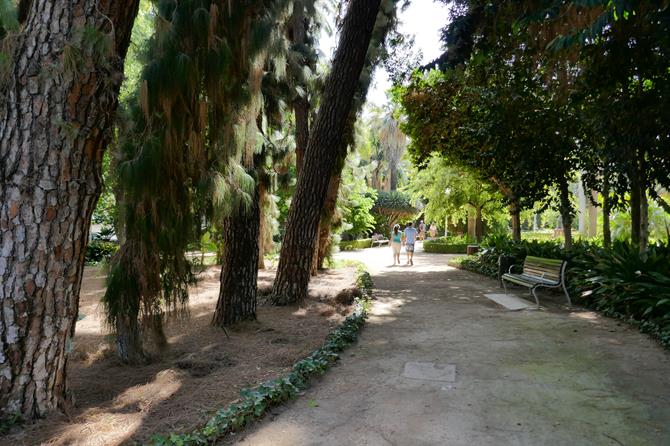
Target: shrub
(618,282)
(436,247)
(355,244)
(255,402)
(621,282)
(100,251)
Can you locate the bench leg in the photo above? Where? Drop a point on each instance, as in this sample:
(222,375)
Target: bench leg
(565,290)
(533,291)
(503,284)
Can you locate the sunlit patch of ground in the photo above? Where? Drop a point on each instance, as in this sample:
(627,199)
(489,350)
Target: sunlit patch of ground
(202,370)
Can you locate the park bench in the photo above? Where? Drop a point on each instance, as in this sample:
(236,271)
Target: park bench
(537,273)
(379,240)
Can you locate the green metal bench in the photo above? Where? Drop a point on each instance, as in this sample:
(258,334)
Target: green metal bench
(537,273)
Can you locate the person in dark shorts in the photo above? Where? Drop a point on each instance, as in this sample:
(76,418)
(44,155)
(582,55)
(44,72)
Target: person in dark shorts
(410,240)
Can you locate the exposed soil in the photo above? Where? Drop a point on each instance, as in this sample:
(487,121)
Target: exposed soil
(201,371)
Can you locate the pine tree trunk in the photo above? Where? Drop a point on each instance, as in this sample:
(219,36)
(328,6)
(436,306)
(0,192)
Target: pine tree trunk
(300,104)
(325,226)
(302,224)
(239,271)
(50,180)
(566,213)
(301,111)
(129,346)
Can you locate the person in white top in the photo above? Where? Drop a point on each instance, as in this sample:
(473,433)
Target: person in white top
(410,240)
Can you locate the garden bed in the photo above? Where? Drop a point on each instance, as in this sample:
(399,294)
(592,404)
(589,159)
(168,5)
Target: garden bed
(436,247)
(618,281)
(350,245)
(202,371)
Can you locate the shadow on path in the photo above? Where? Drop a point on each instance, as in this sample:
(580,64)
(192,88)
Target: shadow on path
(492,376)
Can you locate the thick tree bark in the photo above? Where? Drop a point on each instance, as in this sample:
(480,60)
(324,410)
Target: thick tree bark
(239,271)
(298,34)
(55,124)
(129,341)
(325,225)
(566,213)
(301,111)
(302,225)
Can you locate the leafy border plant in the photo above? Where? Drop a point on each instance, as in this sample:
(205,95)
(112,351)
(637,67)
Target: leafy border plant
(255,402)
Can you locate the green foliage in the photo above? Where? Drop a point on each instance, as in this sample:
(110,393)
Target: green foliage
(8,422)
(392,207)
(436,247)
(619,281)
(255,402)
(98,251)
(356,199)
(349,245)
(453,193)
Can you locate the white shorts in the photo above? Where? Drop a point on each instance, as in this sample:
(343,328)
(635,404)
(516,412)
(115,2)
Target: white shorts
(396,248)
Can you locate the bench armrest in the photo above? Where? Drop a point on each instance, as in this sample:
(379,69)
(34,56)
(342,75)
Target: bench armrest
(511,268)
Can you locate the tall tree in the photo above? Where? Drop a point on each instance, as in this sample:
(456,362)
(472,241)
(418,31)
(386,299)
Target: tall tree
(378,51)
(297,251)
(64,73)
(259,46)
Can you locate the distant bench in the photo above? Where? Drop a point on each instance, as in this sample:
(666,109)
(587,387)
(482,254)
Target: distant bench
(537,273)
(379,240)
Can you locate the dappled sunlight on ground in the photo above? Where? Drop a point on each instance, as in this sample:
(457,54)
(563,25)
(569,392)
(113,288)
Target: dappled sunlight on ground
(202,370)
(556,376)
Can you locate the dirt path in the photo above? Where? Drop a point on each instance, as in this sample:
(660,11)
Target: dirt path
(201,371)
(550,377)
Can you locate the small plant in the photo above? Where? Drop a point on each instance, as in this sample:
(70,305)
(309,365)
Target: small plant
(9,422)
(254,402)
(100,251)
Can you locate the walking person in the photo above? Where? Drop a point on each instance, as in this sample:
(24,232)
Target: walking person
(410,240)
(396,242)
(422,231)
(433,230)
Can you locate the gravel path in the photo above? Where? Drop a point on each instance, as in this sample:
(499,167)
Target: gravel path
(439,364)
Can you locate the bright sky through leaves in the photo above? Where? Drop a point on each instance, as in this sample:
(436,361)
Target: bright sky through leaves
(424,19)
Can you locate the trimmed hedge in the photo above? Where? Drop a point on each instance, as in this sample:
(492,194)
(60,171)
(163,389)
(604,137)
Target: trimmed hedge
(350,245)
(253,403)
(437,247)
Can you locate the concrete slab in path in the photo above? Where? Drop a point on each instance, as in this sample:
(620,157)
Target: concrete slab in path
(550,377)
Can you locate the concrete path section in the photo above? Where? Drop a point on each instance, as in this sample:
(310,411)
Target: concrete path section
(440,364)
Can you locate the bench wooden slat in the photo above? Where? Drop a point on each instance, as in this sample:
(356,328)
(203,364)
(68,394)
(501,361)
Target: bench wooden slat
(539,272)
